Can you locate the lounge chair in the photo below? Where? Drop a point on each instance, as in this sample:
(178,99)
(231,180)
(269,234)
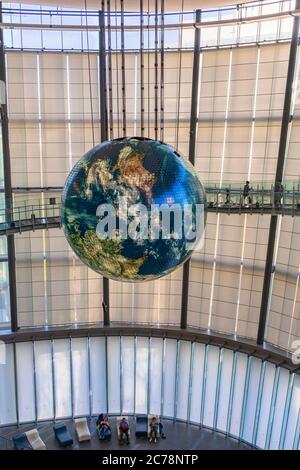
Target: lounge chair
(35,440)
(62,435)
(141,426)
(21,442)
(82,429)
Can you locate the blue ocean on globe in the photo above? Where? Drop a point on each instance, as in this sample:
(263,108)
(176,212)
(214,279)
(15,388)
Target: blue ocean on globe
(138,172)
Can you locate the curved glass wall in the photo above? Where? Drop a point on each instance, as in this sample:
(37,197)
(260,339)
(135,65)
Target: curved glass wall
(54,103)
(234,393)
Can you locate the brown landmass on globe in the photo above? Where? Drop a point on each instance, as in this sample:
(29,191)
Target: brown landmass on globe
(132,171)
(104,255)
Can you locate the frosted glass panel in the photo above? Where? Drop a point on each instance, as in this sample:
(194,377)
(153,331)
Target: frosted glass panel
(7,386)
(156,362)
(80,373)
(265,405)
(183,378)
(293,414)
(251,398)
(238,393)
(279,408)
(169,377)
(62,378)
(98,375)
(44,384)
(224,394)
(113,374)
(142,352)
(211,385)
(25,381)
(128,374)
(197,382)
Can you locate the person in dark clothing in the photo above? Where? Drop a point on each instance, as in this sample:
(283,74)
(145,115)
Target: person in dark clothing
(99,420)
(154,427)
(161,429)
(124,430)
(247,193)
(278,194)
(104,431)
(227,199)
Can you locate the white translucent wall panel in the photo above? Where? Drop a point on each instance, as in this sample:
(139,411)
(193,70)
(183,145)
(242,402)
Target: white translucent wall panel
(212,369)
(80,376)
(169,377)
(113,375)
(155,377)
(280,400)
(98,375)
(44,379)
(265,407)
(128,370)
(283,327)
(224,391)
(7,386)
(65,290)
(235,87)
(62,378)
(293,412)
(148,302)
(238,384)
(226,276)
(251,399)
(183,380)
(51,107)
(141,380)
(197,382)
(25,382)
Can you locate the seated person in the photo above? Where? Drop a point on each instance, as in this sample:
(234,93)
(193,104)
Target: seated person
(153,429)
(99,419)
(161,429)
(124,430)
(104,431)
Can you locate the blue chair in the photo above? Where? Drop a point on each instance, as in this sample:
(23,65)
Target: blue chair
(62,435)
(21,442)
(141,426)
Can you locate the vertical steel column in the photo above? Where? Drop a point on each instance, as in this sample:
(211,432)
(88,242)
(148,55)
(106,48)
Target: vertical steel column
(121,374)
(192,148)
(203,392)
(16,383)
(104,132)
(123,69)
(34,382)
(162,67)
(8,189)
(71,376)
(156,71)
(109,63)
(89,376)
(53,379)
(142,66)
(283,143)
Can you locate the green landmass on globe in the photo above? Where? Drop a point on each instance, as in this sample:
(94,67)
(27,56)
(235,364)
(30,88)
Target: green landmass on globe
(140,171)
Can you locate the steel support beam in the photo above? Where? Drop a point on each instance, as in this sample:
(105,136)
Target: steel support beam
(286,118)
(8,188)
(104,131)
(192,148)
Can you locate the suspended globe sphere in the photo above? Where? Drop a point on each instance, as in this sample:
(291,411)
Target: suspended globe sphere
(133,209)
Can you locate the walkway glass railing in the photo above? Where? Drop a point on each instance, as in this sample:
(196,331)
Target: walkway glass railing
(44,208)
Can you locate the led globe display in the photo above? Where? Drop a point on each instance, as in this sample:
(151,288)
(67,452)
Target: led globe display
(133,209)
